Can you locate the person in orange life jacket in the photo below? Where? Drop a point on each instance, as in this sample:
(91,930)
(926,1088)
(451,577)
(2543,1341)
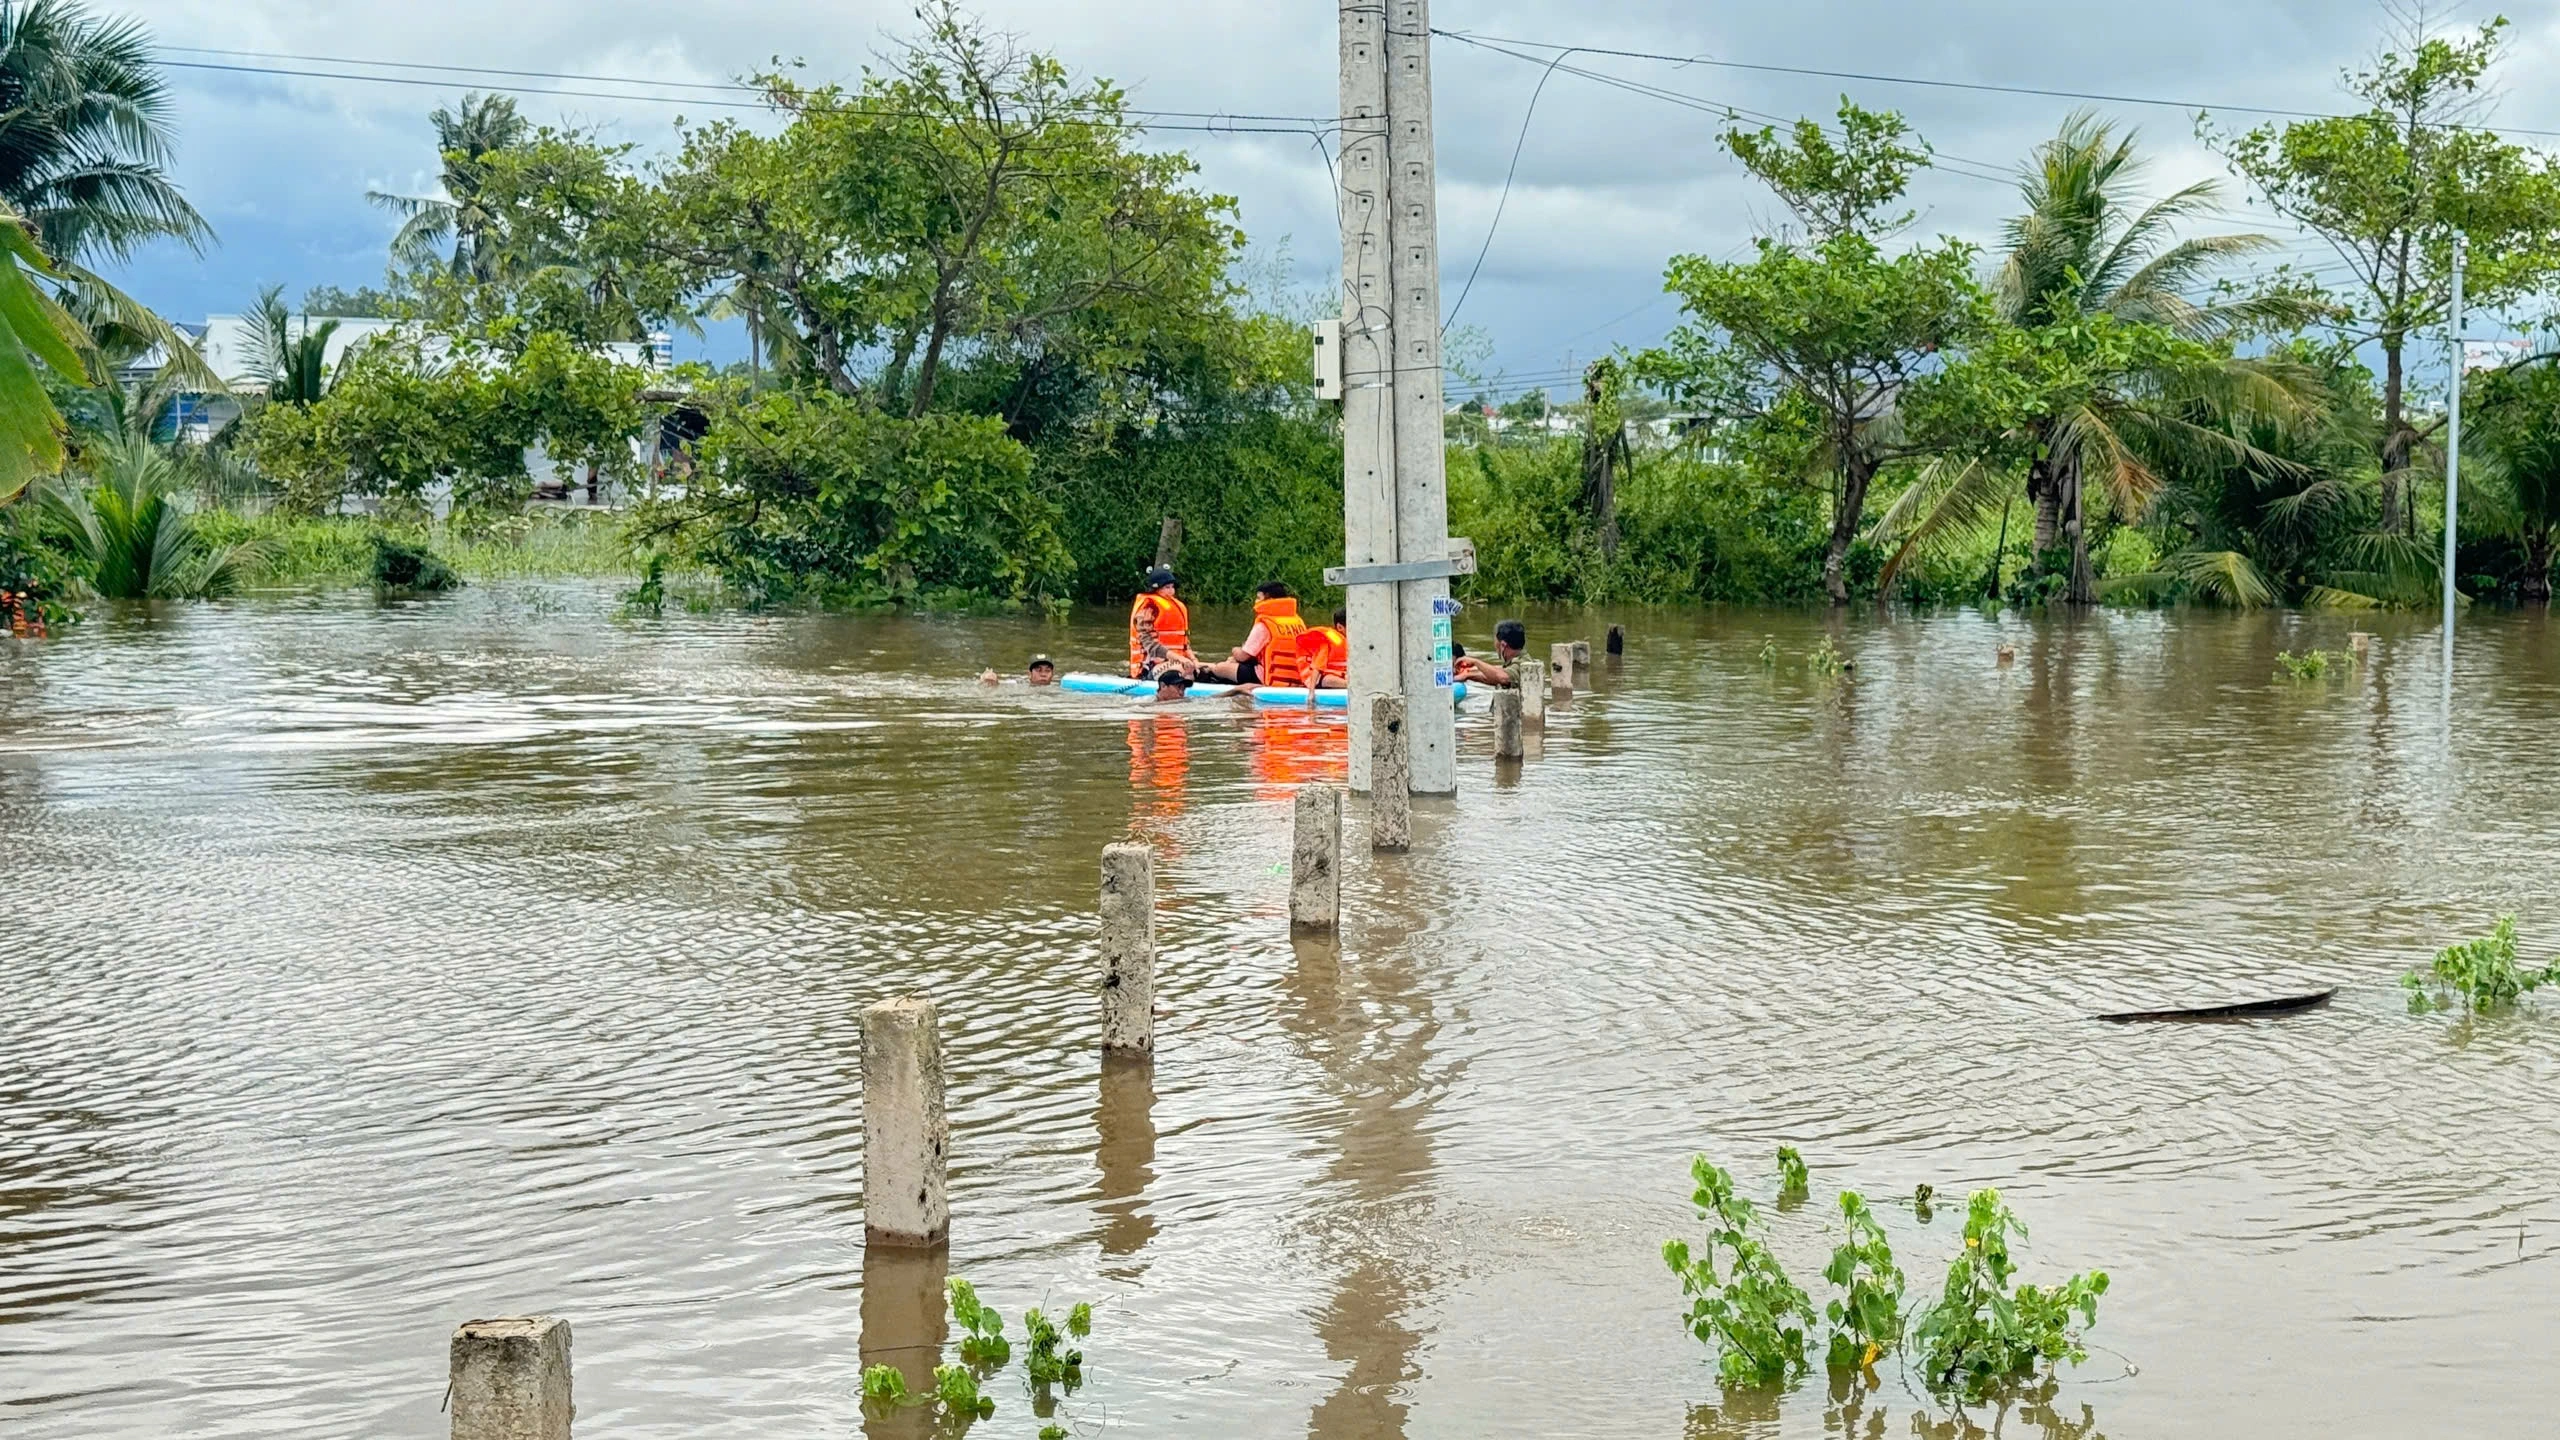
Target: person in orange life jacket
(1160,631)
(1269,654)
(1325,653)
(1510,639)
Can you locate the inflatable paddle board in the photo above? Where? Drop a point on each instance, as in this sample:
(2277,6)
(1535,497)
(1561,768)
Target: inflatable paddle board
(1290,696)
(1137,689)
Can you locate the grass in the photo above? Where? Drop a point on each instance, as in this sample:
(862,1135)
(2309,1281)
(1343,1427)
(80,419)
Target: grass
(339,549)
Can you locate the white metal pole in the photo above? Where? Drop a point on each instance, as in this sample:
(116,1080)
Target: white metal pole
(1421,475)
(1368,370)
(2453,452)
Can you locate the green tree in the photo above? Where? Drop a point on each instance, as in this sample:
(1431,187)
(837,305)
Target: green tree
(465,141)
(2389,189)
(1804,352)
(128,531)
(85,136)
(2520,413)
(287,360)
(2104,363)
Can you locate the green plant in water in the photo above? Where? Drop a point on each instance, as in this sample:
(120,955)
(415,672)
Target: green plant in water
(399,566)
(1866,1317)
(1050,1361)
(1824,658)
(1753,1316)
(1769,653)
(955,1388)
(2309,665)
(1053,1432)
(1794,1180)
(650,596)
(884,1385)
(982,1341)
(1921,1197)
(1979,1337)
(131,537)
(2480,974)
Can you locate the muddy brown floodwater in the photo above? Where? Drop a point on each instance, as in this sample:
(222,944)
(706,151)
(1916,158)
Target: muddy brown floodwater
(366,969)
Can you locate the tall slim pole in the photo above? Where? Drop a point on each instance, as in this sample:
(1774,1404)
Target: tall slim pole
(1394,484)
(1368,371)
(2453,452)
(1422,484)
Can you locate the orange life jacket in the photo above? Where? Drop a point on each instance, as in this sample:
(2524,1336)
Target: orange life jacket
(1281,628)
(1173,629)
(1325,650)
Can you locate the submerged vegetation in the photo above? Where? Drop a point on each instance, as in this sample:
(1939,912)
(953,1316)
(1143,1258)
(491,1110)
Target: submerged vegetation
(2478,975)
(1053,1370)
(1983,1338)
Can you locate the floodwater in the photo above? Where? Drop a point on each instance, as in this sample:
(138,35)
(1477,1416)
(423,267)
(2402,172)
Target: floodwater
(367,969)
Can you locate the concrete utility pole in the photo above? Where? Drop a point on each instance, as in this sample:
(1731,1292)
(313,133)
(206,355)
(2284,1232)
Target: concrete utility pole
(1394,489)
(2453,450)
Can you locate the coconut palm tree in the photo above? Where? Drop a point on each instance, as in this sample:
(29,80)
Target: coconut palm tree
(485,123)
(2085,251)
(292,368)
(129,532)
(85,134)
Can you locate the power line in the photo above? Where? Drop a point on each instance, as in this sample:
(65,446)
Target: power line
(1212,122)
(2190,106)
(1504,202)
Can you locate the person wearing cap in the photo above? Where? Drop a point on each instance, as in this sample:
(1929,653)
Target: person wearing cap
(1510,639)
(1160,630)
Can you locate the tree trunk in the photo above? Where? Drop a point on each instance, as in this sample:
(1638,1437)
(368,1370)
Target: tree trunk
(2075,524)
(1857,472)
(930,368)
(1600,457)
(2536,589)
(2396,437)
(2046,496)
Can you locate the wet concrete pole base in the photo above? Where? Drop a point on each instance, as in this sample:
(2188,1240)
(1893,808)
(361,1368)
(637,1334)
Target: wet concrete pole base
(1506,725)
(1390,776)
(1129,951)
(1617,641)
(1581,664)
(906,1138)
(1561,662)
(1532,675)
(510,1379)
(1315,862)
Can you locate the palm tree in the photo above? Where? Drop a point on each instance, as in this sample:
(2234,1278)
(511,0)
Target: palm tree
(486,123)
(129,530)
(293,368)
(2086,252)
(85,134)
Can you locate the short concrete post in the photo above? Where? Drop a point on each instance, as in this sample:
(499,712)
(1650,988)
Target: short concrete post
(1617,639)
(1129,950)
(1506,725)
(906,1138)
(1532,675)
(1581,664)
(1562,663)
(1390,776)
(1315,861)
(510,1379)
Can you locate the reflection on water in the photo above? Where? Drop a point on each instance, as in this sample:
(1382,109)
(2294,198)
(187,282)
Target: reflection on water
(905,1320)
(368,968)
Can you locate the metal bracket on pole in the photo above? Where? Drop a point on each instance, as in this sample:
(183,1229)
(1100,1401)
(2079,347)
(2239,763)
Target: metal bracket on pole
(1461,561)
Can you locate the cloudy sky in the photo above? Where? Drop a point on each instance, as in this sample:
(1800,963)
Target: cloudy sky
(1609,182)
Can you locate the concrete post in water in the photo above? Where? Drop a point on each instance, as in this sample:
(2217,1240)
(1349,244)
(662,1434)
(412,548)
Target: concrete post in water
(510,1379)
(906,1138)
(1506,725)
(1315,861)
(1617,639)
(1129,951)
(1581,664)
(1532,675)
(1562,653)
(1390,776)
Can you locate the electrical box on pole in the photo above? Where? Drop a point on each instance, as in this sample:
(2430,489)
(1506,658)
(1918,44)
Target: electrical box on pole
(1328,359)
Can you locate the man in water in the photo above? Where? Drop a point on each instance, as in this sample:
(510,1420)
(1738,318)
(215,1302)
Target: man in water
(1171,686)
(1510,639)
(1269,654)
(1043,671)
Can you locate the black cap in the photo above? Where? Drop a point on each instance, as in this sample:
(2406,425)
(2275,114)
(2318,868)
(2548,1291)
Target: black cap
(1039,660)
(1159,577)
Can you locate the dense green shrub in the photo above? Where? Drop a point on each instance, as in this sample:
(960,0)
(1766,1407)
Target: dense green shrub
(399,565)
(1259,497)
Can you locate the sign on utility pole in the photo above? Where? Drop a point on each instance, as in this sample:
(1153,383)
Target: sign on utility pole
(1395,503)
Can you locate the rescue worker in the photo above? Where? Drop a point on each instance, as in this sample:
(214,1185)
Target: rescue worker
(1160,631)
(1510,639)
(1269,654)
